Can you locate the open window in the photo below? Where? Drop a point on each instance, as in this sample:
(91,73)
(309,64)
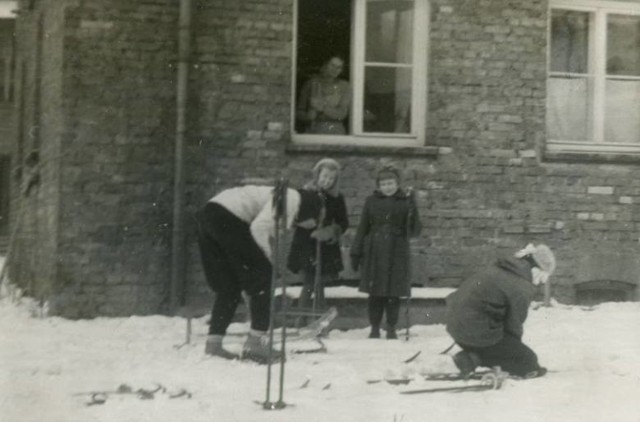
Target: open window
(360,72)
(593,85)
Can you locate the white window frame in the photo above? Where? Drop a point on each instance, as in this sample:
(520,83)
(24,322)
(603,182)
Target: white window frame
(419,85)
(596,71)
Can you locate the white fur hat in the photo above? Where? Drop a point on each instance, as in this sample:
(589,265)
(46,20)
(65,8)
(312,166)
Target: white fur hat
(541,254)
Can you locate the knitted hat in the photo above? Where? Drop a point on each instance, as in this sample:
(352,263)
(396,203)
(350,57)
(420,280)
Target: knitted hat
(541,254)
(328,163)
(387,172)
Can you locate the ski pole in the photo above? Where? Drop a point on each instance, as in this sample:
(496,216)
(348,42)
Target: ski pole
(318,270)
(408,233)
(283,208)
(275,257)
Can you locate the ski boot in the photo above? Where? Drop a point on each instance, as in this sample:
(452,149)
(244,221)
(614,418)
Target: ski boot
(375,332)
(466,362)
(256,348)
(540,372)
(213,347)
(391,333)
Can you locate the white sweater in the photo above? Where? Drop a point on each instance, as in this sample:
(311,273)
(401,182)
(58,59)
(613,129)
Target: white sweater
(252,204)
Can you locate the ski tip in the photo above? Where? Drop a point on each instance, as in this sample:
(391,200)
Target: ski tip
(413,357)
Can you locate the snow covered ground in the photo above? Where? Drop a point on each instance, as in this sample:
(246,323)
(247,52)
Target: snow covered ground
(593,356)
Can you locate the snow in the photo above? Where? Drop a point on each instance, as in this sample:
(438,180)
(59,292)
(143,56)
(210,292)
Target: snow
(592,355)
(345,292)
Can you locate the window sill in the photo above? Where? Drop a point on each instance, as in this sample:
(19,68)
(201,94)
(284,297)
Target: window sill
(589,153)
(424,151)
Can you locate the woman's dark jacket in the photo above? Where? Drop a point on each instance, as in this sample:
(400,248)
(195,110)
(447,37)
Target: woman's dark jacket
(302,255)
(491,303)
(381,244)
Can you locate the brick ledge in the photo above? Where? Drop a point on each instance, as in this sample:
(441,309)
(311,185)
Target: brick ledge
(364,150)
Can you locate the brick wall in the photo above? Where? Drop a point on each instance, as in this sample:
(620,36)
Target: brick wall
(488,190)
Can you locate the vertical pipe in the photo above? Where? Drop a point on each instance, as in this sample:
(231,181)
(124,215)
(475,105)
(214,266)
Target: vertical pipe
(178,240)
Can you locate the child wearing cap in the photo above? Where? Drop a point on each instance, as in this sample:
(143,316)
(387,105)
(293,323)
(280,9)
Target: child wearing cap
(381,249)
(303,253)
(486,315)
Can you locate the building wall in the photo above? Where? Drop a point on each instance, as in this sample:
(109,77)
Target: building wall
(38,126)
(484,187)
(110,206)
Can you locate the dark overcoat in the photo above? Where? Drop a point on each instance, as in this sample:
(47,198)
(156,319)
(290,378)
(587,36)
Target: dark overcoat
(302,255)
(491,303)
(381,244)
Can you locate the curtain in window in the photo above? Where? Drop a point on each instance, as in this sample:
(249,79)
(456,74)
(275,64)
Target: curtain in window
(622,106)
(569,84)
(388,67)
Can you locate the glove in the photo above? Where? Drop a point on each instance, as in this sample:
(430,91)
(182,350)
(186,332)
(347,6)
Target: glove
(355,262)
(325,234)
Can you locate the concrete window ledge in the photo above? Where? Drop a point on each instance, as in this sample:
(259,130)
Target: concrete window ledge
(424,151)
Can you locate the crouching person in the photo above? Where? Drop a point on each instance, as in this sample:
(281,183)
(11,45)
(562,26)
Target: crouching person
(234,231)
(485,316)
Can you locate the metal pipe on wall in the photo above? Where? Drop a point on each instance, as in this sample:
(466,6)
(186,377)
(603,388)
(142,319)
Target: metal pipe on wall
(178,253)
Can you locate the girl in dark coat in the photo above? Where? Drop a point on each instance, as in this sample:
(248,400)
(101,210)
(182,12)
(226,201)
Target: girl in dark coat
(302,255)
(389,218)
(485,316)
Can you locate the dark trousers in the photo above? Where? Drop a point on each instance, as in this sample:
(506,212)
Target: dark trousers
(233,262)
(225,305)
(511,354)
(379,305)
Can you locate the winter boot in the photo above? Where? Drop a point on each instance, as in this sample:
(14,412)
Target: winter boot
(213,347)
(375,332)
(466,362)
(540,372)
(391,333)
(256,348)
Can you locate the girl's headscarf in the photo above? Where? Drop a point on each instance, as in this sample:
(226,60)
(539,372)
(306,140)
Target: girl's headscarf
(328,163)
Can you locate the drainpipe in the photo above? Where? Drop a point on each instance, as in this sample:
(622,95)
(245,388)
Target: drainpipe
(178,253)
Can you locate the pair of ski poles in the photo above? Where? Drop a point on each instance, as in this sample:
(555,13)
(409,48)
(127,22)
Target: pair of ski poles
(280,217)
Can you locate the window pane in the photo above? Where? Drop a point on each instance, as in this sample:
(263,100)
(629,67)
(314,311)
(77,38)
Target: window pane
(387,100)
(622,112)
(569,41)
(567,109)
(389,33)
(623,45)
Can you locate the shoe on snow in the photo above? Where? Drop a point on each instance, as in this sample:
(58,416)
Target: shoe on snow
(540,372)
(466,362)
(256,348)
(391,334)
(213,347)
(375,333)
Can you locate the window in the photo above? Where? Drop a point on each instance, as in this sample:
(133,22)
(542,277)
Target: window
(360,72)
(7,29)
(593,86)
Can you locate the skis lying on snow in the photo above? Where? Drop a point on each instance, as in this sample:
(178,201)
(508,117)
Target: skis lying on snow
(100,397)
(477,381)
(490,380)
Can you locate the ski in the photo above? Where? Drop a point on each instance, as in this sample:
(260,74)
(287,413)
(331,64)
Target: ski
(442,376)
(490,380)
(100,397)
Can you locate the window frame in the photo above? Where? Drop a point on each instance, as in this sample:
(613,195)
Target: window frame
(357,65)
(596,71)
